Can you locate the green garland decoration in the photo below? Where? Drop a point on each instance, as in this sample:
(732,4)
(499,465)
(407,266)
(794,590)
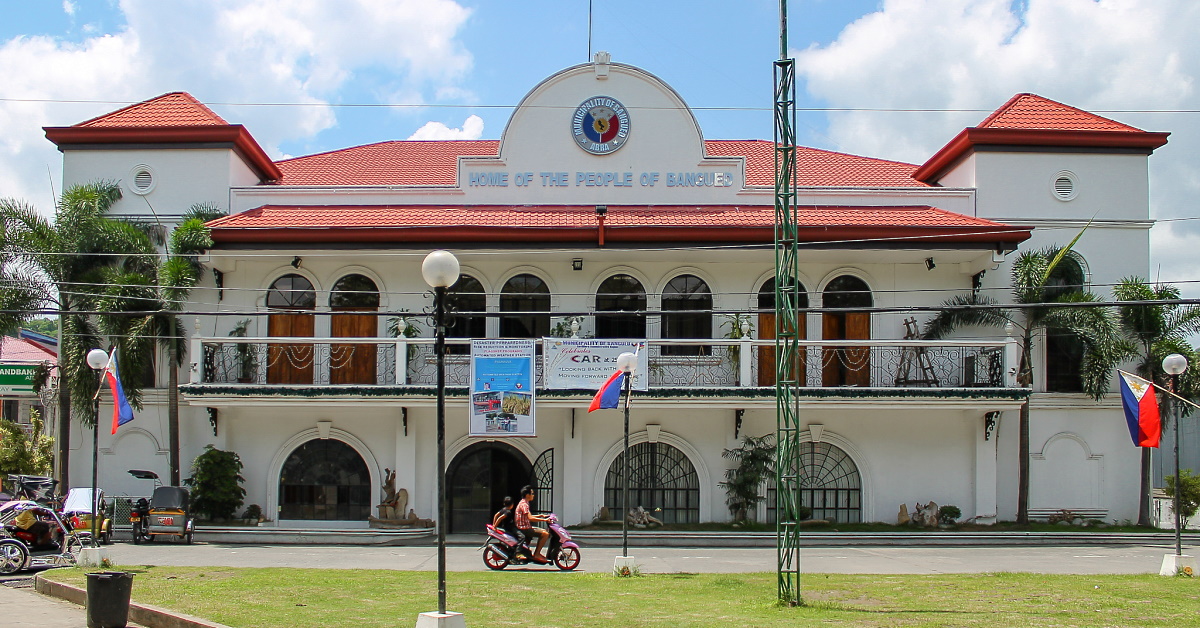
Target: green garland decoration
(408,392)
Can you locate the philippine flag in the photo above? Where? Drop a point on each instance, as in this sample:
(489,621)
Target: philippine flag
(122,412)
(1141,410)
(609,394)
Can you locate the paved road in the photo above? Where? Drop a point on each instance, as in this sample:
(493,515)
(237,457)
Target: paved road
(867,560)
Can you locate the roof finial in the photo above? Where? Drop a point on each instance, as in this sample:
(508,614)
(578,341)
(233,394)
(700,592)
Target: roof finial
(602,60)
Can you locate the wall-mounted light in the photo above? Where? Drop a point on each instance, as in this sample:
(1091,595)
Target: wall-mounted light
(601,210)
(577,264)
(296,261)
(929,264)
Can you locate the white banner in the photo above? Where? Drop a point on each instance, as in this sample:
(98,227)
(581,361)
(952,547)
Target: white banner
(502,382)
(574,363)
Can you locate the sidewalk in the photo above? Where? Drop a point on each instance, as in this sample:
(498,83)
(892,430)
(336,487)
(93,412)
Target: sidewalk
(26,608)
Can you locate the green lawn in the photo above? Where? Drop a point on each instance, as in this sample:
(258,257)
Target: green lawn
(295,598)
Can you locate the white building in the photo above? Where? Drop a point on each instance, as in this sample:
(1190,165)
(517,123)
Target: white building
(648,216)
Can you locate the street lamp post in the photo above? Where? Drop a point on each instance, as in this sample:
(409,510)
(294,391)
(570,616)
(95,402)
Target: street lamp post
(98,360)
(626,362)
(1174,365)
(440,271)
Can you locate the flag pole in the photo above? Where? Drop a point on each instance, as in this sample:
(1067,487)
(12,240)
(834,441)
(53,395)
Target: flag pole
(1160,389)
(625,471)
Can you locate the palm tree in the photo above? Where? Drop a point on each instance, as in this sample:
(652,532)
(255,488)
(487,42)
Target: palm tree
(66,256)
(157,293)
(1154,332)
(1034,282)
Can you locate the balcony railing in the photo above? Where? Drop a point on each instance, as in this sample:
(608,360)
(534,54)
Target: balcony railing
(709,363)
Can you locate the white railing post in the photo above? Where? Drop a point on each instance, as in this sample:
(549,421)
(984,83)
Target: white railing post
(746,350)
(195,374)
(1011,359)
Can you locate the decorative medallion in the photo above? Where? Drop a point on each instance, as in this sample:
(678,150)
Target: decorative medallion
(600,125)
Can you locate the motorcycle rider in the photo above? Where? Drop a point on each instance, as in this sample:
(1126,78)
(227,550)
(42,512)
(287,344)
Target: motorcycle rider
(524,524)
(504,520)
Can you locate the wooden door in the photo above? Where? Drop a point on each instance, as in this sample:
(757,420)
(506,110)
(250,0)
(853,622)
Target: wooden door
(766,354)
(352,363)
(858,359)
(846,366)
(291,363)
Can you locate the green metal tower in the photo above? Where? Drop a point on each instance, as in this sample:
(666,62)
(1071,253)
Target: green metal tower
(787,349)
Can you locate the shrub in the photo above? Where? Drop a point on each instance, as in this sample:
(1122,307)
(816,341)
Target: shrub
(755,463)
(1189,496)
(216,483)
(27,455)
(948,514)
(253,513)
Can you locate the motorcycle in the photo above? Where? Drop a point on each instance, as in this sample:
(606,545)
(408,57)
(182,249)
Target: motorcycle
(22,549)
(501,549)
(77,509)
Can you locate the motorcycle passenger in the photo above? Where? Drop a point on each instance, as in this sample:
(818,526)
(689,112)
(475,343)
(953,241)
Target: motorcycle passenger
(31,524)
(505,521)
(524,524)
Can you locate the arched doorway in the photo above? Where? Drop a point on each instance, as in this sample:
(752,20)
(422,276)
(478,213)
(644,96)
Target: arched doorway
(662,480)
(478,480)
(291,300)
(325,479)
(830,484)
(846,366)
(766,331)
(353,364)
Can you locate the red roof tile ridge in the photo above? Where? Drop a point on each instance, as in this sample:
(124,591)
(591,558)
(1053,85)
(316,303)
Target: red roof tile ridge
(161,105)
(1028,100)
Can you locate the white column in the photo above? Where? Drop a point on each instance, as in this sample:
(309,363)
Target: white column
(985,469)
(406,461)
(574,495)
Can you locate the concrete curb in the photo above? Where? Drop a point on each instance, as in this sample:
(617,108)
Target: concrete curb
(144,614)
(892,539)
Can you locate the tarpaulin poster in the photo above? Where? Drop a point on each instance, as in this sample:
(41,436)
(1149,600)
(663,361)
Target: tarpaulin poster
(572,363)
(502,382)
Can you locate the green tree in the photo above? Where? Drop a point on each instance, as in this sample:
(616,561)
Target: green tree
(28,455)
(755,460)
(216,483)
(1154,332)
(1189,494)
(1036,285)
(67,256)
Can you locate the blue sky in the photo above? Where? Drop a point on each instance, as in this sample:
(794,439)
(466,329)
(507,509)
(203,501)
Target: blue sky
(460,65)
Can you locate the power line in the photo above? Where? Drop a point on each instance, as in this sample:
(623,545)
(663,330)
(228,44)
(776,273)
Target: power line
(406,105)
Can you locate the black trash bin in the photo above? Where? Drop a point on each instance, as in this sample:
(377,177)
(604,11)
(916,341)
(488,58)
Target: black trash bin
(108,599)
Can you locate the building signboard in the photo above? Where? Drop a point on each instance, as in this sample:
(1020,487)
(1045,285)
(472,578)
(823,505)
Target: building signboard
(16,378)
(502,395)
(573,363)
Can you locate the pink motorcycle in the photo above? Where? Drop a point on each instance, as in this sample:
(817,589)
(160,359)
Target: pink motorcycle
(501,549)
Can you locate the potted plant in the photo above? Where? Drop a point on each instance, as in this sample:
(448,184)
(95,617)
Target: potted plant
(246,358)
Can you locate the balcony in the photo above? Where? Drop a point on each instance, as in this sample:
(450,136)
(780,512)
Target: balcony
(674,364)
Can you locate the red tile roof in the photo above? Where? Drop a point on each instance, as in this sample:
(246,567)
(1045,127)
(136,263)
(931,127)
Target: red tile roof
(565,223)
(173,109)
(436,163)
(1030,111)
(171,119)
(21,350)
(1031,120)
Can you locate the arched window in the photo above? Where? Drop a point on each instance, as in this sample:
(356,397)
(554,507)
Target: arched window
(830,484)
(530,296)
(1064,350)
(325,479)
(292,292)
(687,313)
(660,477)
(468,301)
(354,292)
(621,293)
(290,363)
(767,322)
(353,364)
(846,366)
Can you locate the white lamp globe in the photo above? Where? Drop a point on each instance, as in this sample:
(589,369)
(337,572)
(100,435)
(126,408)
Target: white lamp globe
(440,269)
(627,362)
(1174,364)
(97,359)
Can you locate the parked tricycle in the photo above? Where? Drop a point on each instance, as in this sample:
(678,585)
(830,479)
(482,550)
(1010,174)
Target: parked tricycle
(34,535)
(78,511)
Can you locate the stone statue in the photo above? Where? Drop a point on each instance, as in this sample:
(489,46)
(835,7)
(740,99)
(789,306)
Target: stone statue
(394,502)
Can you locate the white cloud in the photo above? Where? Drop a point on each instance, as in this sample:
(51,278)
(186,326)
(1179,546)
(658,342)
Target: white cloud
(254,51)
(472,129)
(68,7)
(1093,54)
